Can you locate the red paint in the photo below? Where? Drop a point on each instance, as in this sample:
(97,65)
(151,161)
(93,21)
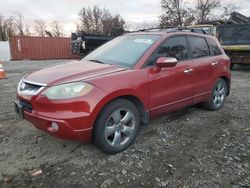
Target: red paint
(40,48)
(160,90)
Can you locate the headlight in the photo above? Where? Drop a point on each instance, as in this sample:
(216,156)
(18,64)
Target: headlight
(67,91)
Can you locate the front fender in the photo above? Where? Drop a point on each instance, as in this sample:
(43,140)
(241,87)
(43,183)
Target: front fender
(114,95)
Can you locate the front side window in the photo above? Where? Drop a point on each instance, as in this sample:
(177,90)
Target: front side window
(125,50)
(174,47)
(215,50)
(199,47)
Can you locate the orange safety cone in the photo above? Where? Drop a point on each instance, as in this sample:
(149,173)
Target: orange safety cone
(2,73)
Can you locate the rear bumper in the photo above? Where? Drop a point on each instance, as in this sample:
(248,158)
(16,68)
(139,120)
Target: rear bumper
(65,129)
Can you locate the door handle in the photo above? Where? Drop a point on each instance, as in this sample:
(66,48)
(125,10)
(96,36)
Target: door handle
(214,63)
(187,71)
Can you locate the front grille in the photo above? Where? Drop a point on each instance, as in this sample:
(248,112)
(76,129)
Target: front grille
(29,88)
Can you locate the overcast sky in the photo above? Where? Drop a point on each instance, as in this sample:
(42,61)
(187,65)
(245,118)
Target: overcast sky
(66,10)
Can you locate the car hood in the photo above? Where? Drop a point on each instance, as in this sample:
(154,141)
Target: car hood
(71,72)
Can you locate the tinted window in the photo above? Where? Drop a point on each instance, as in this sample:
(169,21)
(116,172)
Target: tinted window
(214,48)
(199,47)
(173,47)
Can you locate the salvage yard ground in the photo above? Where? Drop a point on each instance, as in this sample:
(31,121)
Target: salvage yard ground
(190,148)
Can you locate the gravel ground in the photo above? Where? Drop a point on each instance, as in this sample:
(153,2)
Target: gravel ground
(190,148)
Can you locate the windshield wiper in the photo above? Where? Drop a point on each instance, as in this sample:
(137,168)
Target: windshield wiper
(97,61)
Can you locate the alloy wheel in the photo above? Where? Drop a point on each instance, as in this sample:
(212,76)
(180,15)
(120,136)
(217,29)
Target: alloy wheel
(120,127)
(219,95)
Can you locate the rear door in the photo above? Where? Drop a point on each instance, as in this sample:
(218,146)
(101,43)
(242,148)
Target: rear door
(204,67)
(170,88)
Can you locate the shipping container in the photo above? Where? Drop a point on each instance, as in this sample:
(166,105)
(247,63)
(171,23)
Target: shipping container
(40,48)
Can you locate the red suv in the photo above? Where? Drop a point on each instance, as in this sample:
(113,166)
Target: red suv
(108,95)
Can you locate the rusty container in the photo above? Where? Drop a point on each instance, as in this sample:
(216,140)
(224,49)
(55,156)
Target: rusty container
(40,48)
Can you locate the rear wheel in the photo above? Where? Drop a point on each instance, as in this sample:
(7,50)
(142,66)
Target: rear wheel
(218,96)
(117,126)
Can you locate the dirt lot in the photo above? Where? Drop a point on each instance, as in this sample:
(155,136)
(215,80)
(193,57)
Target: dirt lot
(190,148)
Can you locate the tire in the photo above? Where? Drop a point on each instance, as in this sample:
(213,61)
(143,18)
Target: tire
(117,126)
(218,96)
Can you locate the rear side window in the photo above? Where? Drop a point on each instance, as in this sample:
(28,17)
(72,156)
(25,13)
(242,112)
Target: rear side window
(174,47)
(215,50)
(199,47)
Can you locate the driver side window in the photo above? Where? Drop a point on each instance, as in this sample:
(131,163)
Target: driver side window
(174,47)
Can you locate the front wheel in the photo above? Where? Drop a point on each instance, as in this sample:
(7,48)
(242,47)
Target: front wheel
(218,96)
(117,126)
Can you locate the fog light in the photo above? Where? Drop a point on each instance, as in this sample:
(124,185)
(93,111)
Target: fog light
(54,127)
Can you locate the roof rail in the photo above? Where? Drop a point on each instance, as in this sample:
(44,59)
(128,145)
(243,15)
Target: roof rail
(188,29)
(155,28)
(175,29)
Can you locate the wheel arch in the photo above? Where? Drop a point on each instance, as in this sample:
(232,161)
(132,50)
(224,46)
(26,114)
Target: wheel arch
(228,83)
(139,103)
(144,115)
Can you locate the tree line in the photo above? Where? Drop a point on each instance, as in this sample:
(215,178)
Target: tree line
(16,26)
(182,12)
(101,21)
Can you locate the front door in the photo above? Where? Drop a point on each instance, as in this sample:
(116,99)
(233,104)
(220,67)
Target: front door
(170,88)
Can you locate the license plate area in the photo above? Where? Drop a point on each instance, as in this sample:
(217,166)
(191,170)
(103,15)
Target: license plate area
(18,109)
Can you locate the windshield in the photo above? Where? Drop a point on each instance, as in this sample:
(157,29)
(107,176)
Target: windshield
(125,50)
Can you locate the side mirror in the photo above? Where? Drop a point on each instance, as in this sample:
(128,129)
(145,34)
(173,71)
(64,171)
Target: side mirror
(166,62)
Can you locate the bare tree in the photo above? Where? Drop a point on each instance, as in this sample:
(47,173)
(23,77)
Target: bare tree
(86,20)
(27,30)
(178,13)
(99,21)
(175,13)
(204,8)
(40,27)
(112,25)
(57,29)
(7,28)
(18,19)
(48,33)
(3,36)
(10,27)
